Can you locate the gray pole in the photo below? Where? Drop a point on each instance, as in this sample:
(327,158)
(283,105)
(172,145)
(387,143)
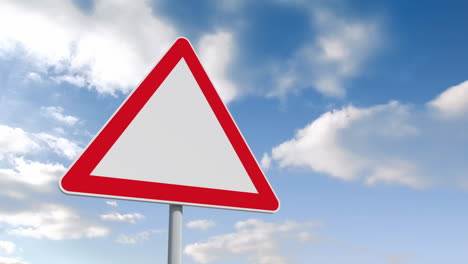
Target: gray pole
(174,253)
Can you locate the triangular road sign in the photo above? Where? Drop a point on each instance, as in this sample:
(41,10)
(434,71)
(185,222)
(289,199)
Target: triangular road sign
(173,141)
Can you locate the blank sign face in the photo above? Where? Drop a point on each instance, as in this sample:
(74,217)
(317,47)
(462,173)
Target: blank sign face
(176,139)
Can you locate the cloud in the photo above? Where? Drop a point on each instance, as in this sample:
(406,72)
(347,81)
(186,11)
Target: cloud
(13,194)
(109,49)
(112,203)
(50,221)
(7,247)
(136,238)
(322,147)
(16,149)
(318,146)
(32,172)
(76,80)
(60,145)
(305,236)
(34,77)
(216,53)
(255,239)
(401,174)
(123,218)
(338,52)
(265,163)
(56,113)
(453,102)
(201,224)
(5,260)
(15,140)
(392,144)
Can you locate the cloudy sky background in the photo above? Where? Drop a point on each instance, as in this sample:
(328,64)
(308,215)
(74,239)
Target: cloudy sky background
(358,113)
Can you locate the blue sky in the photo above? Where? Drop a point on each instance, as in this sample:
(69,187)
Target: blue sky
(357,111)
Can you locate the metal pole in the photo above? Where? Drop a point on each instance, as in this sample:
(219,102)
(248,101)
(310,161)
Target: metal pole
(174,253)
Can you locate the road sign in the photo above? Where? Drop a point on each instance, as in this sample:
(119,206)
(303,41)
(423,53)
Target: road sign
(173,141)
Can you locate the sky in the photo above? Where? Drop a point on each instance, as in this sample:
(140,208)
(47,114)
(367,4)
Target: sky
(357,112)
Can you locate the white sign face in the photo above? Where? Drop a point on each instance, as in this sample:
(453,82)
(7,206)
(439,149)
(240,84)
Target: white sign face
(173,141)
(176,139)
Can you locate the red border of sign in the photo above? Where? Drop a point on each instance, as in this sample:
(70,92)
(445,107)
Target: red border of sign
(78,180)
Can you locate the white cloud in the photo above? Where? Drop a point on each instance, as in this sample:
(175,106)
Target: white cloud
(56,112)
(453,102)
(14,194)
(325,145)
(60,145)
(51,221)
(305,236)
(6,260)
(136,238)
(76,80)
(124,218)
(110,49)
(112,203)
(255,239)
(16,147)
(7,247)
(32,172)
(34,76)
(15,140)
(339,51)
(317,145)
(201,224)
(59,130)
(402,174)
(216,53)
(265,163)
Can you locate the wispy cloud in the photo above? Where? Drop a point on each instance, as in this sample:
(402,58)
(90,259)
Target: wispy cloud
(453,102)
(60,145)
(56,113)
(9,260)
(136,238)
(7,247)
(14,194)
(19,150)
(338,52)
(15,141)
(254,239)
(123,218)
(202,224)
(50,221)
(32,172)
(112,203)
(216,52)
(76,80)
(265,162)
(34,77)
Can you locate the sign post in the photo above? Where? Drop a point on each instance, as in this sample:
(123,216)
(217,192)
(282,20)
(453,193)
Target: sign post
(174,249)
(173,141)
